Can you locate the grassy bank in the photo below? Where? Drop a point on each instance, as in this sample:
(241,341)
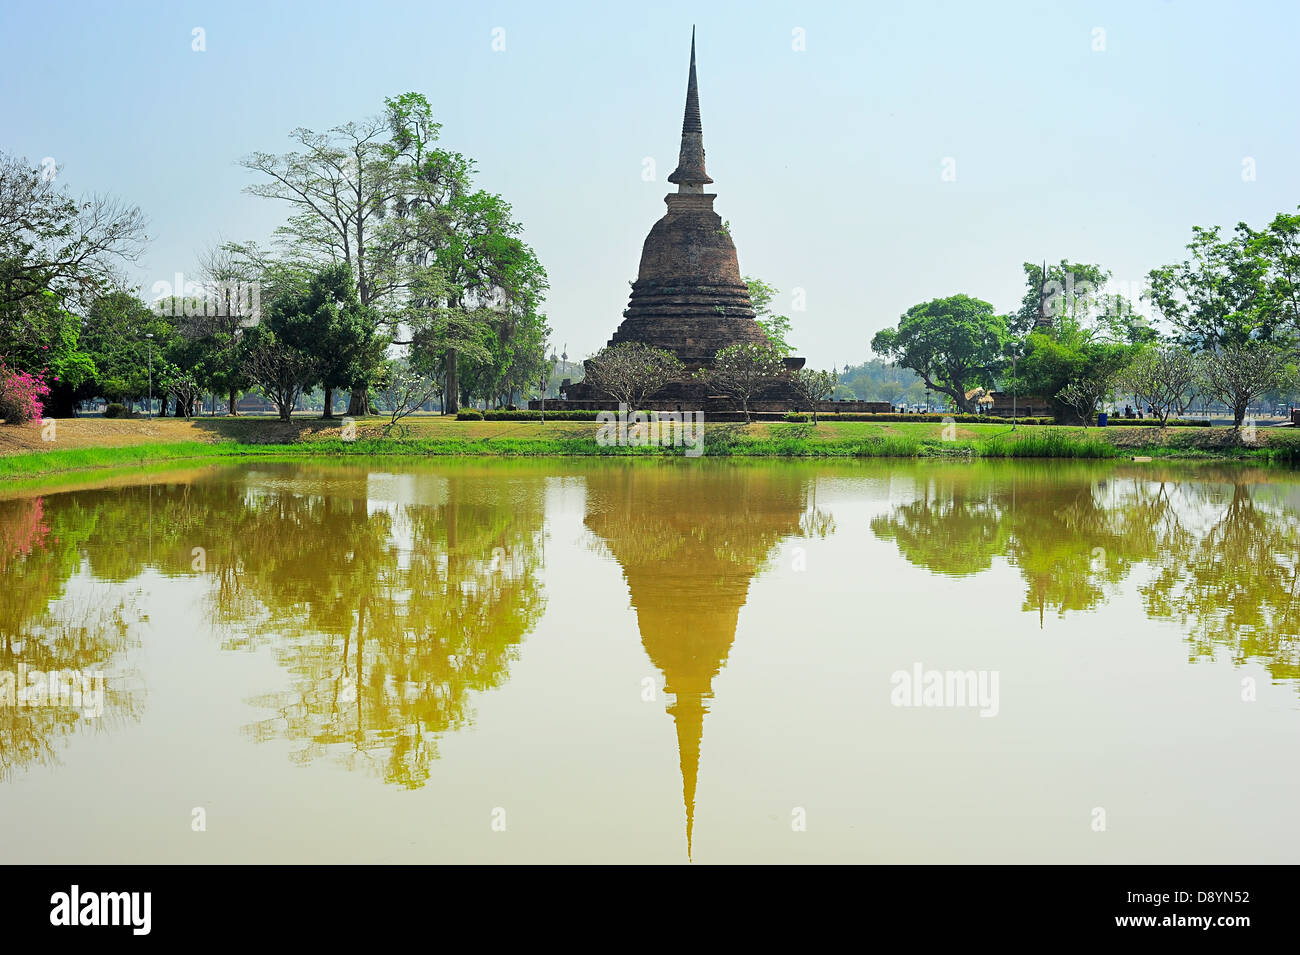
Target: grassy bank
(93,443)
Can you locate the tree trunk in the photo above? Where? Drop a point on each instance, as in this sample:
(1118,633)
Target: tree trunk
(232,403)
(453,383)
(329,402)
(60,403)
(1239,415)
(359,403)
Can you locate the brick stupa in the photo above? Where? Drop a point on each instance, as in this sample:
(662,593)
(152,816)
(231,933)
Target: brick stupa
(689,297)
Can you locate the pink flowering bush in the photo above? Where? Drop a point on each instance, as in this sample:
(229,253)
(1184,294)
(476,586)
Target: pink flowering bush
(20,395)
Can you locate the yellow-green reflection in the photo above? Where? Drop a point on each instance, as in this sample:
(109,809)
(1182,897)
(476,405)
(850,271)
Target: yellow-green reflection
(1222,545)
(43,628)
(689,540)
(389,599)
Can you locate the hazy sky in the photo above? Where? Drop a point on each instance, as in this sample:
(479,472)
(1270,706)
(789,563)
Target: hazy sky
(828,161)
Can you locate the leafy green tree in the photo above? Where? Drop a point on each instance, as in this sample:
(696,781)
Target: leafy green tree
(1048,367)
(1220,295)
(442,337)
(276,351)
(1279,246)
(114,334)
(329,323)
(776,327)
(492,272)
(50,346)
(952,343)
(467,271)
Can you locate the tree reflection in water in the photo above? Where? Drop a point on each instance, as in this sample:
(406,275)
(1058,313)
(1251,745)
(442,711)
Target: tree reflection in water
(46,627)
(388,615)
(1223,546)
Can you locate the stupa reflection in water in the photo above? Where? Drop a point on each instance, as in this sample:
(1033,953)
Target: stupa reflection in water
(688,564)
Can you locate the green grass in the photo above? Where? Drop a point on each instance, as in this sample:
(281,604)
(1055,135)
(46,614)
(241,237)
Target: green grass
(446,437)
(1047,443)
(78,459)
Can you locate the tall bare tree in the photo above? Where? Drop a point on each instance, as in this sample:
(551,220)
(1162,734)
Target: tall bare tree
(51,241)
(341,185)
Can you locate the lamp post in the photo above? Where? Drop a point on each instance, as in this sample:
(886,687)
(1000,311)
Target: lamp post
(1013,389)
(544,381)
(149,336)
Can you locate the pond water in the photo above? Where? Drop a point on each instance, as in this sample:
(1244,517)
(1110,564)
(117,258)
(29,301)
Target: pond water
(656,661)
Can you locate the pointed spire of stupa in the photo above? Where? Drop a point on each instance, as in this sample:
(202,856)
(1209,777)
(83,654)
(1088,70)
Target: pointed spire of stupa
(689,174)
(688,714)
(1042,321)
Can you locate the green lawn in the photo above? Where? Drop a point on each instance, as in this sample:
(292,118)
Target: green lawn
(211,438)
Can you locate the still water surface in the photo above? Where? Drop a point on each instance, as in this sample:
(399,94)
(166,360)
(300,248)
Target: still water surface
(655,662)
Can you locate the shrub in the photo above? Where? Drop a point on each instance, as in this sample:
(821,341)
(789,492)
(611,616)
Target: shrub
(525,415)
(116,410)
(20,395)
(494,414)
(796,416)
(469,414)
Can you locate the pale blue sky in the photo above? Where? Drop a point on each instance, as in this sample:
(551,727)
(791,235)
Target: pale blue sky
(827,162)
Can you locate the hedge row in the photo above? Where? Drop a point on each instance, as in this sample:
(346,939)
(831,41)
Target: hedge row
(474,414)
(492,414)
(1155,422)
(930,417)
